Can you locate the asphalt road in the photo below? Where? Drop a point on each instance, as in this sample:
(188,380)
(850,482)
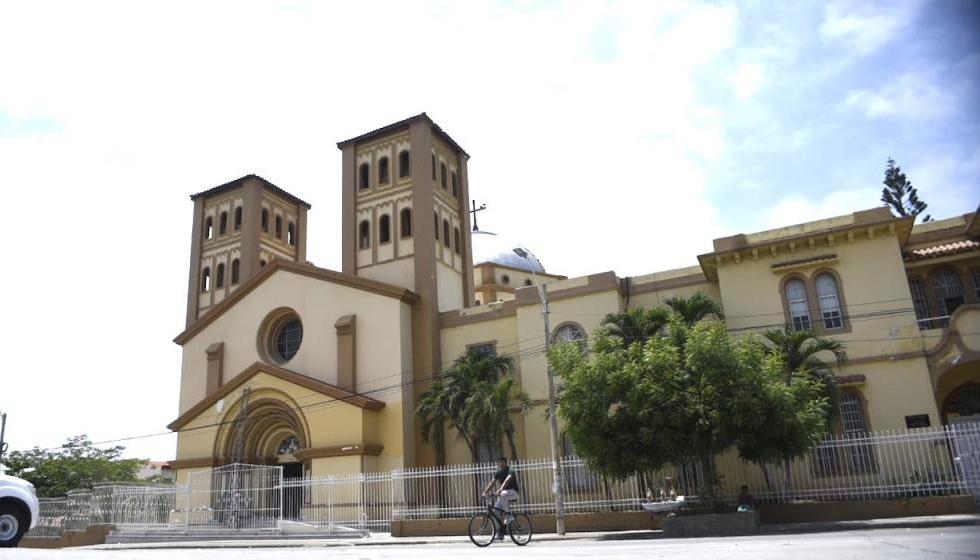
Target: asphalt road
(890,544)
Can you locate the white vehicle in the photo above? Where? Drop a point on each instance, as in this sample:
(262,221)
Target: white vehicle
(19,509)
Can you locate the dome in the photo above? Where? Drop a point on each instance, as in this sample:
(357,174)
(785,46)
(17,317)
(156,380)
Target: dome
(492,248)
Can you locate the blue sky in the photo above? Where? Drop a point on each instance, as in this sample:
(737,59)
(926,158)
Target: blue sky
(604,136)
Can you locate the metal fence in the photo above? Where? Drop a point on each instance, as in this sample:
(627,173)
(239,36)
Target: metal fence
(255,499)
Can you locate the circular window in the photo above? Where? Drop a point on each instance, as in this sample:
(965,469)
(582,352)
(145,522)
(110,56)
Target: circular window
(281,336)
(288,446)
(505,279)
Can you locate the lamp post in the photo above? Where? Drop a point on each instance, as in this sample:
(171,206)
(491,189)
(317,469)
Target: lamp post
(552,417)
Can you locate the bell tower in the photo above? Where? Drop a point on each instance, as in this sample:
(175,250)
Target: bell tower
(238,228)
(405,222)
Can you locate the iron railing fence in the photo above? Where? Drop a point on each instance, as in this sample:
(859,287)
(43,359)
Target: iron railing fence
(933,461)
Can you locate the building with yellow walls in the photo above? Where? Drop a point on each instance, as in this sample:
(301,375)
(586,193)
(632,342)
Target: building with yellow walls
(325,367)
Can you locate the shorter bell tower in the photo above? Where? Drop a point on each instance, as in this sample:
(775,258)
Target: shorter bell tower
(238,228)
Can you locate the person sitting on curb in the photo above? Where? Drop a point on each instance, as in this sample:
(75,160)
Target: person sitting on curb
(746,502)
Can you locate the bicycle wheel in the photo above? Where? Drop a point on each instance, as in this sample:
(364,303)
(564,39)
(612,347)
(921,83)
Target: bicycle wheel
(482,529)
(520,529)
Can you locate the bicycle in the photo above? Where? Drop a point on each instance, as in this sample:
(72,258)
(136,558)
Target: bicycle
(483,526)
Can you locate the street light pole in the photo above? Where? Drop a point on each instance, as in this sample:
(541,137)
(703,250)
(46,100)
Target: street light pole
(552,417)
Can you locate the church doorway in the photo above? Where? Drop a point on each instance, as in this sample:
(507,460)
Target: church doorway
(292,498)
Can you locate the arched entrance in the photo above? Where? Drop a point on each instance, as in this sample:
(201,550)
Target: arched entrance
(958,391)
(266,428)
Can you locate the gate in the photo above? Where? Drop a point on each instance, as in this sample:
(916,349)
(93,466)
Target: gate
(965,438)
(237,496)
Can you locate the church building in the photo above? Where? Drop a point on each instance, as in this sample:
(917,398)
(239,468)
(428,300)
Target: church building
(327,366)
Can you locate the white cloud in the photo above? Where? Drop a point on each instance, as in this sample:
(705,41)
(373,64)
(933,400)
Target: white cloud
(155,103)
(747,79)
(910,95)
(866,27)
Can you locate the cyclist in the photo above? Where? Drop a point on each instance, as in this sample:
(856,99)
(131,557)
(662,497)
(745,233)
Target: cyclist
(507,490)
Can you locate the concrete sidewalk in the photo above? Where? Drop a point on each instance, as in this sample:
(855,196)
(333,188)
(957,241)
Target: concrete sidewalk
(381,540)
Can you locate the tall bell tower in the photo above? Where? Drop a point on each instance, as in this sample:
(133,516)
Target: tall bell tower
(238,228)
(405,222)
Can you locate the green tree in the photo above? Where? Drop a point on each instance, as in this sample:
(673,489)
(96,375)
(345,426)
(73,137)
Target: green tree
(899,193)
(474,397)
(801,354)
(77,464)
(634,325)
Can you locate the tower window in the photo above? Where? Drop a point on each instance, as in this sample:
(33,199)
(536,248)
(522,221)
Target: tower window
(364,235)
(383,170)
(445,232)
(404,166)
(208,228)
(223,223)
(435,218)
(949,292)
(433,167)
(265,220)
(459,251)
(238,218)
(455,185)
(799,309)
(278,227)
(206,280)
(384,229)
(262,263)
(219,281)
(406,221)
(365,176)
(442,174)
(291,233)
(234,272)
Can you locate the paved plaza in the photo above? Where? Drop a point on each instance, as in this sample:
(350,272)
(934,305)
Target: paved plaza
(890,544)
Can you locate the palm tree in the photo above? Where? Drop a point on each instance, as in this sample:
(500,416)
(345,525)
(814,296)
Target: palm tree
(801,354)
(694,308)
(635,325)
(474,397)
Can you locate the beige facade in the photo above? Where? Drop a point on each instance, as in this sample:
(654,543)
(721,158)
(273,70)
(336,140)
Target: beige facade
(298,365)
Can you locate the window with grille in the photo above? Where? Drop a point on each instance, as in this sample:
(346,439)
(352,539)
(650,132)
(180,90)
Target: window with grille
(287,338)
(949,292)
(976,284)
(799,309)
(829,301)
(569,332)
(919,302)
(485,349)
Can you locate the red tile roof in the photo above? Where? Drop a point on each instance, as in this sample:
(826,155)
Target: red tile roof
(944,249)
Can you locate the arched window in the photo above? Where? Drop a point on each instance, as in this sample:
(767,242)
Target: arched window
(234,272)
(208,228)
(406,221)
(459,250)
(435,217)
(291,233)
(223,223)
(384,229)
(919,302)
(799,309)
(445,232)
(829,300)
(219,280)
(383,171)
(278,227)
(455,187)
(404,169)
(364,235)
(442,172)
(569,332)
(949,292)
(365,176)
(206,280)
(238,218)
(433,167)
(265,220)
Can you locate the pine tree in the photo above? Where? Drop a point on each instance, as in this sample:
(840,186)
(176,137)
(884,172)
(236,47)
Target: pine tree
(900,194)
